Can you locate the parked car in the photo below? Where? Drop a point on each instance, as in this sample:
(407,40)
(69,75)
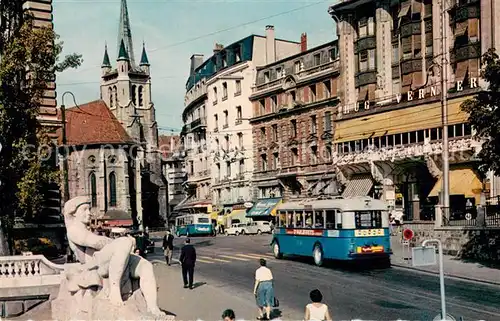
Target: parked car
(237,229)
(264,227)
(249,228)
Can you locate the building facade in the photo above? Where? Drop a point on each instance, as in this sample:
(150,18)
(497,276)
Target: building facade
(114,156)
(388,136)
(173,170)
(217,133)
(294,111)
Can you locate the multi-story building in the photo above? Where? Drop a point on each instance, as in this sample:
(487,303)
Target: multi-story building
(173,171)
(194,140)
(217,133)
(294,108)
(388,132)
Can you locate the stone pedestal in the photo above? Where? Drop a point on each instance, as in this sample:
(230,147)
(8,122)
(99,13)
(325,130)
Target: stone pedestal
(93,304)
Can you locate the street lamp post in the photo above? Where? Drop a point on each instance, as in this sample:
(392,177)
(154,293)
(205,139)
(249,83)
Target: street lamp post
(445,194)
(63,147)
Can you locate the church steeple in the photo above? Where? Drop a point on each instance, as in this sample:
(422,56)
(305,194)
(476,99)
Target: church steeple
(125,34)
(105,61)
(144,56)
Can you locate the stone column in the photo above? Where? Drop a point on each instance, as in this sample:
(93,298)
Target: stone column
(384,50)
(102,193)
(346,36)
(138,189)
(125,187)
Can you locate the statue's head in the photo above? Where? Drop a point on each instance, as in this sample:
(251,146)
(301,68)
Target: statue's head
(78,208)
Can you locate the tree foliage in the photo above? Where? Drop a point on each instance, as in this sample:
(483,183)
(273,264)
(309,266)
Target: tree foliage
(29,60)
(484,114)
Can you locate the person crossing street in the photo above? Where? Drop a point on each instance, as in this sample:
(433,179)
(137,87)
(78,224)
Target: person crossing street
(188,261)
(168,247)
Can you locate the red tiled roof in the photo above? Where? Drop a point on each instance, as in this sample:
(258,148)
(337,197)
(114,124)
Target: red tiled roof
(165,144)
(93,123)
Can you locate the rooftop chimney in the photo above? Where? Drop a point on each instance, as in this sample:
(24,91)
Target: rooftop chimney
(196,61)
(303,42)
(218,47)
(270,45)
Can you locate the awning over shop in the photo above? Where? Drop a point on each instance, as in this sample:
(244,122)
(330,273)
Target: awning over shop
(237,215)
(264,207)
(358,185)
(214,215)
(463,181)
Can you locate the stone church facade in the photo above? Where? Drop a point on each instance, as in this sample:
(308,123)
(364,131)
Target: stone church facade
(113,142)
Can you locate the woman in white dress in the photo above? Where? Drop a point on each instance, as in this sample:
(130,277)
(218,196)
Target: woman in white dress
(317,311)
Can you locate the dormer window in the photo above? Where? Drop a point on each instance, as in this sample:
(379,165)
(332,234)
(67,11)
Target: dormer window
(279,72)
(266,76)
(297,66)
(237,54)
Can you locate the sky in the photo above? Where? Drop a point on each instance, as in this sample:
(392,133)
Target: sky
(173,30)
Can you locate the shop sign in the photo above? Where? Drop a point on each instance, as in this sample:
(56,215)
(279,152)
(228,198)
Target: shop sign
(410,96)
(238,207)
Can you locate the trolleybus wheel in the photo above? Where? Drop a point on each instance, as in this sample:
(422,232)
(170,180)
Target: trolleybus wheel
(276,251)
(237,233)
(226,233)
(318,255)
(259,232)
(187,234)
(242,232)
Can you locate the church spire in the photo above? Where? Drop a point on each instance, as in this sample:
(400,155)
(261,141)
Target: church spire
(125,33)
(144,56)
(105,60)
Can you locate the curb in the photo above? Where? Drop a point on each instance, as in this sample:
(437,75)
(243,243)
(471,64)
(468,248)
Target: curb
(448,275)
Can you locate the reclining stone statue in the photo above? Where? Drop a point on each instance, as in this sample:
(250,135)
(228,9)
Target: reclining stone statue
(106,272)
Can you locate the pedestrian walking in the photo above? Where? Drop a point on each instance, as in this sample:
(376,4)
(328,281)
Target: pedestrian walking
(188,261)
(264,290)
(168,247)
(317,311)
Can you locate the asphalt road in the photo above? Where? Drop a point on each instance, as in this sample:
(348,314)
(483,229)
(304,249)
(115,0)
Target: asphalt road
(351,292)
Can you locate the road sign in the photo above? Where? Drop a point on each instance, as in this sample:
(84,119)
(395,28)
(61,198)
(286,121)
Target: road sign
(449,317)
(408,234)
(468,216)
(423,255)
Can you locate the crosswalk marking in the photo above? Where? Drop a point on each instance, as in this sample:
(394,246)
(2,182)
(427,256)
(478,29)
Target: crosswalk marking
(215,259)
(204,261)
(250,256)
(233,258)
(265,256)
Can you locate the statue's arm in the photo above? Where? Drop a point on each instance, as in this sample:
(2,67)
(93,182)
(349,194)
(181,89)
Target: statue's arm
(83,237)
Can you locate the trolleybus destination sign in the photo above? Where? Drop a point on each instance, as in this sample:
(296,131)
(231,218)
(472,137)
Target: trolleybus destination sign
(305,232)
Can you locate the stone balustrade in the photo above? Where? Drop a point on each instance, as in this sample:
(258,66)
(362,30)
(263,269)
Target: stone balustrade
(405,152)
(28,271)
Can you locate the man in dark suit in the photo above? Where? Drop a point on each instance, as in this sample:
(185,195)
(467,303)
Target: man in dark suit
(168,247)
(188,260)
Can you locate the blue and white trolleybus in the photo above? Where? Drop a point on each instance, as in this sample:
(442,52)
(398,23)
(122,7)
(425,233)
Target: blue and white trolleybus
(339,229)
(193,224)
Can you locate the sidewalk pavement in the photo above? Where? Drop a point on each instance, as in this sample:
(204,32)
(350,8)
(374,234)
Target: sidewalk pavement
(207,300)
(453,267)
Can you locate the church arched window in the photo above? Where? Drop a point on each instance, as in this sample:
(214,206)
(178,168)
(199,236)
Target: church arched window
(112,189)
(115,94)
(141,96)
(134,94)
(110,94)
(93,189)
